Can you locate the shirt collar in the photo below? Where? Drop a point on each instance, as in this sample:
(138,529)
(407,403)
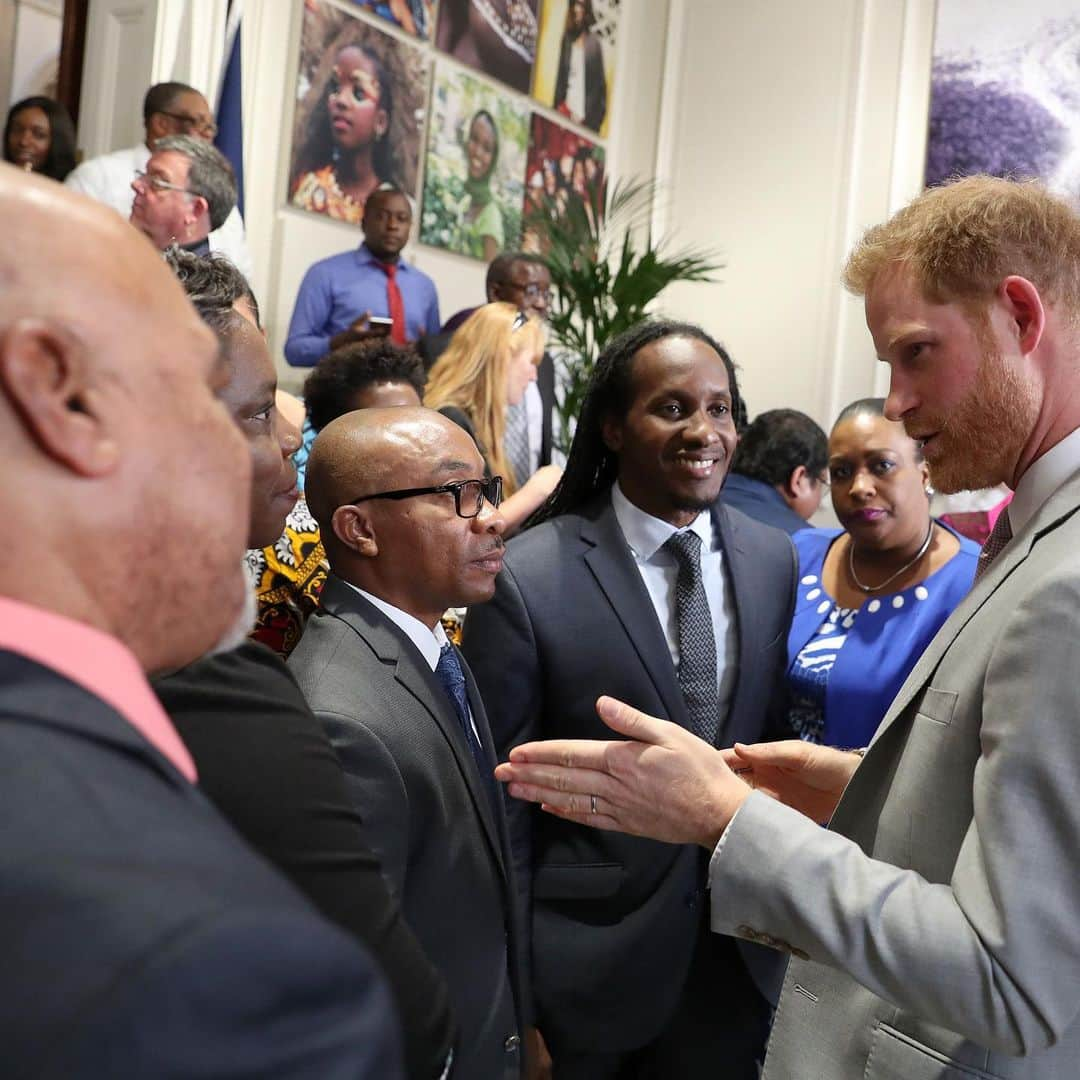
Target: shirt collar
(100,664)
(365,257)
(429,642)
(1042,479)
(646,534)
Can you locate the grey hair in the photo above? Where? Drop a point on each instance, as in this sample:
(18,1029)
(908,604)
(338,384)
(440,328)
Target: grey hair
(210,175)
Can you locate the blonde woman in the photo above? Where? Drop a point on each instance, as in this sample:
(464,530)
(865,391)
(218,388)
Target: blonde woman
(487,366)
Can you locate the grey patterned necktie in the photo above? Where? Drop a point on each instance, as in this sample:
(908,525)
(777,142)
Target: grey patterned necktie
(697,642)
(516,441)
(999,536)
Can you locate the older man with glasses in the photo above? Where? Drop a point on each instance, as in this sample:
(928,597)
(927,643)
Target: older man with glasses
(187,189)
(411,529)
(169,109)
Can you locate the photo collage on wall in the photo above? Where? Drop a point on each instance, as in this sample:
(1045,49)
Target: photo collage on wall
(384,83)
(1005,98)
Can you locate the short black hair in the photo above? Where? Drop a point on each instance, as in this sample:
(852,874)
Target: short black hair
(591,467)
(60,159)
(161,97)
(502,266)
(213,285)
(335,381)
(777,443)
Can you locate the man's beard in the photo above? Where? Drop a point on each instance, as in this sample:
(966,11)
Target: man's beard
(236,634)
(981,440)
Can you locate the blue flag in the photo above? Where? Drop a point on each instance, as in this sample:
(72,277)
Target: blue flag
(230,110)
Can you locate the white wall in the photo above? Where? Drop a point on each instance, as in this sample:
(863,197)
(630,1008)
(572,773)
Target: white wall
(787,128)
(36,58)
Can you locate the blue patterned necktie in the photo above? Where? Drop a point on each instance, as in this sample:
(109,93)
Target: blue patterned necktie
(697,642)
(452,680)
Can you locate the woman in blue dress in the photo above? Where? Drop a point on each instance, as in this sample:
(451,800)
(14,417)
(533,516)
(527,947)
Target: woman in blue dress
(871,596)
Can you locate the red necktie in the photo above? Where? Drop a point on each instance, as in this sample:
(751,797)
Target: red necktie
(396,304)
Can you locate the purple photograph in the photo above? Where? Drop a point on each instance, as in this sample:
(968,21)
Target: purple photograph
(1005,96)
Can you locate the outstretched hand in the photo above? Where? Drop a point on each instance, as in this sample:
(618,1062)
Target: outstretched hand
(661,782)
(807,777)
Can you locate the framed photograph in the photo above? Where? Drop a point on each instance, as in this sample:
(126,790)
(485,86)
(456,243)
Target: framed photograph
(495,37)
(1004,97)
(475,166)
(575,61)
(416,17)
(564,176)
(359,115)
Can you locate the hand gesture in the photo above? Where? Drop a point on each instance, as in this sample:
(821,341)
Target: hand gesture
(807,777)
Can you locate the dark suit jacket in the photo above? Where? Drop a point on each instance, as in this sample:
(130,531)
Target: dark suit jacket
(762,502)
(425,812)
(433,346)
(267,764)
(140,937)
(615,918)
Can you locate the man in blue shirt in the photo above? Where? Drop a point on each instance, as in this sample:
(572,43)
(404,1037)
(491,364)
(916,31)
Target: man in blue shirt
(340,294)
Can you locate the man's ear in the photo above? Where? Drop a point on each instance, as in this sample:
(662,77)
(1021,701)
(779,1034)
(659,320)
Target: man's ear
(353,527)
(612,432)
(45,376)
(199,206)
(795,478)
(1025,308)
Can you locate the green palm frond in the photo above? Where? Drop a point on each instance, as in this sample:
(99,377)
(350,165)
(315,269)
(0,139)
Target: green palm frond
(606,271)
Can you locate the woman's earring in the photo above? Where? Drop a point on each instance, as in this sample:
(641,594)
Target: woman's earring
(929,489)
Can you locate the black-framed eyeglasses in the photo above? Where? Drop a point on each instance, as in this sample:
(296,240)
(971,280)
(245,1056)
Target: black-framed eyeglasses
(159,185)
(469,495)
(192,123)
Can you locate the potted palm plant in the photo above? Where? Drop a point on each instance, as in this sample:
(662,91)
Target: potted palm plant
(605,273)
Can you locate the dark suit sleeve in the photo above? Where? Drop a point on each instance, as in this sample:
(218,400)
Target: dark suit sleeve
(777,722)
(274,995)
(266,762)
(501,651)
(595,84)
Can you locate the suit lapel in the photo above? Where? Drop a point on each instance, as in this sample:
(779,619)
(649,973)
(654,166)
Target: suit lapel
(393,648)
(611,564)
(1060,506)
(739,574)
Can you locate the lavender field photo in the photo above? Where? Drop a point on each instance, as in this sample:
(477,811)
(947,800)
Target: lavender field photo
(1005,96)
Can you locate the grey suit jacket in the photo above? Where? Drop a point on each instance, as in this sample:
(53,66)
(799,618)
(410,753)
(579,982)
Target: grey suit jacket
(940,914)
(425,812)
(571,619)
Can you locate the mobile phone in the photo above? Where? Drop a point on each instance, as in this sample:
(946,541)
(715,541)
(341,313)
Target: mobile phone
(378,324)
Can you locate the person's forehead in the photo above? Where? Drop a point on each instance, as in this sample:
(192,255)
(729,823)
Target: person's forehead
(351,59)
(678,364)
(864,433)
(31,116)
(169,164)
(192,103)
(388,202)
(525,273)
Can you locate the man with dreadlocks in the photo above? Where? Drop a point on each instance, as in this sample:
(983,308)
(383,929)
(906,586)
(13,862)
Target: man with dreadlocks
(636,582)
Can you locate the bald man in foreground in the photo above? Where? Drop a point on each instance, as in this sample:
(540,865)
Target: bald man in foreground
(411,529)
(140,938)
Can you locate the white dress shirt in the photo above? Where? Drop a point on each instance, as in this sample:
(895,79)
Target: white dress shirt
(659,569)
(108,180)
(429,642)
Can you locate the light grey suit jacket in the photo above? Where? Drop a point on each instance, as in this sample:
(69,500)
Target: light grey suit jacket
(940,914)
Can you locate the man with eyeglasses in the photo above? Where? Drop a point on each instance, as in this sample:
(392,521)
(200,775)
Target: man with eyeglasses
(170,108)
(522,279)
(187,189)
(411,529)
